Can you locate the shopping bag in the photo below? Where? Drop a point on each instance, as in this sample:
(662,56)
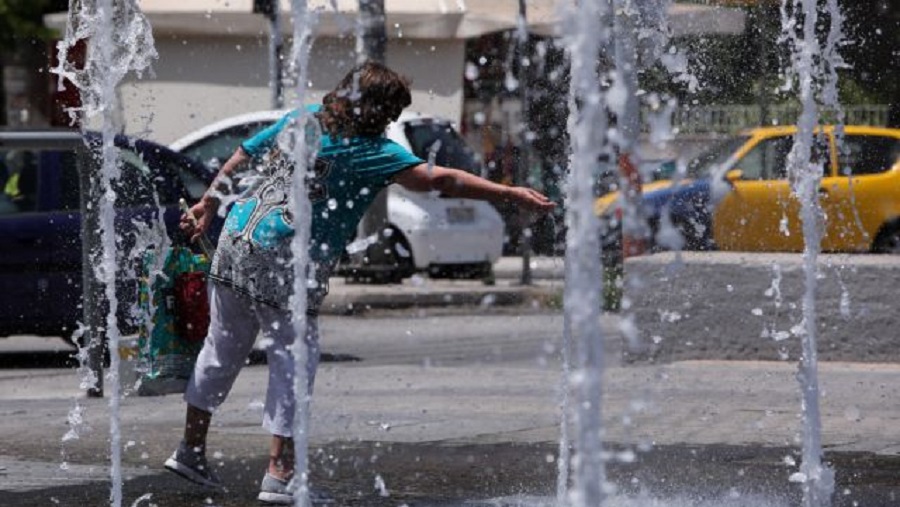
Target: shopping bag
(191,306)
(174,310)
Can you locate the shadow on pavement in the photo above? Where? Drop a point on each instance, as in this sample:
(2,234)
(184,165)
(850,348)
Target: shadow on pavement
(259,357)
(38,359)
(50,359)
(469,474)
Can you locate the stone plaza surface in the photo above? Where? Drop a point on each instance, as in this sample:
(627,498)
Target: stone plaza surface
(434,429)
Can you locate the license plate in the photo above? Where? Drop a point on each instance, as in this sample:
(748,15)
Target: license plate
(460,215)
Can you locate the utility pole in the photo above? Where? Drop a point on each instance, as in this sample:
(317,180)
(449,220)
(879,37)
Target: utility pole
(373,34)
(525,152)
(370,46)
(271,10)
(95,305)
(762,24)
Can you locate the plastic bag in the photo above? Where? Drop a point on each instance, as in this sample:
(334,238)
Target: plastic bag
(175,317)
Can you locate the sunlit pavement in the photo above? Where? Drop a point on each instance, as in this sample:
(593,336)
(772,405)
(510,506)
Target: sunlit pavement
(446,427)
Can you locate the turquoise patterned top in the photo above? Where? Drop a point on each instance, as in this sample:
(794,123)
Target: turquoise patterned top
(253,255)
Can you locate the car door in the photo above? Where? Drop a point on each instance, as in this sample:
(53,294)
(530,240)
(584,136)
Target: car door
(30,269)
(66,308)
(760,213)
(149,186)
(861,196)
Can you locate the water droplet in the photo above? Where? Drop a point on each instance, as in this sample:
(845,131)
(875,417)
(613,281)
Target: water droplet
(471,71)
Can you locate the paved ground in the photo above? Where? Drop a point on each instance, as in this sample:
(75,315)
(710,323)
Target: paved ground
(394,430)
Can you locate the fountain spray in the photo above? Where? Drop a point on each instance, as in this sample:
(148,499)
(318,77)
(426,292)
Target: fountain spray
(119,40)
(301,150)
(589,25)
(809,61)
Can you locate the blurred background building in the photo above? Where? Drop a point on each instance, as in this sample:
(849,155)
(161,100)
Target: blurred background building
(466,62)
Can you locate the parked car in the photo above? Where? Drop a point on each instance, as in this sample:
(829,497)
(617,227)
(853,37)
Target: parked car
(737,196)
(40,221)
(426,231)
(607,179)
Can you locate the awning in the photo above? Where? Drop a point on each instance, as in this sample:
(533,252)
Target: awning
(414,19)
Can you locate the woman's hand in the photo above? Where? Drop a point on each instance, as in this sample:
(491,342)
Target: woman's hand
(529,199)
(196,221)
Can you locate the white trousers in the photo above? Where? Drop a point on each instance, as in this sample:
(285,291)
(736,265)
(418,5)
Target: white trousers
(235,322)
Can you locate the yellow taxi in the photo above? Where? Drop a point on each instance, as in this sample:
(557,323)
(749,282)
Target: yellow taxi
(738,196)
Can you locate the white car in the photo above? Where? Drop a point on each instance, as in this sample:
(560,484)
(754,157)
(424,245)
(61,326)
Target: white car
(424,231)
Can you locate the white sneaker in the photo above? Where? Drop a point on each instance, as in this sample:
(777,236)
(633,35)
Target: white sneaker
(274,491)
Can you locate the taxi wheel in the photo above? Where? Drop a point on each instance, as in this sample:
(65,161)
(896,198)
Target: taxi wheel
(888,240)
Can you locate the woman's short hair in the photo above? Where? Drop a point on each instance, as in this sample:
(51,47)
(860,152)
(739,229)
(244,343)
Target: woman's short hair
(365,101)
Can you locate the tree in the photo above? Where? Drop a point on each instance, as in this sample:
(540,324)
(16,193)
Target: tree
(24,43)
(872,28)
(22,23)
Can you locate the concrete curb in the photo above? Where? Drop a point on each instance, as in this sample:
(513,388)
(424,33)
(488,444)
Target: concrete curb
(346,299)
(420,292)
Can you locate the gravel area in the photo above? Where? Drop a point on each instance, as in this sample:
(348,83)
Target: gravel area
(750,307)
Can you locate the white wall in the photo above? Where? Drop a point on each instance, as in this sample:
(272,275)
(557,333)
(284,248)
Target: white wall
(199,80)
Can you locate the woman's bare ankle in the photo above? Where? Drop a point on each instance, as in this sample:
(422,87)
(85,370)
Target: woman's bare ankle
(280,473)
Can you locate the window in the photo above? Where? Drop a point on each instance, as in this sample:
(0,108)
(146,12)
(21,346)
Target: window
(867,154)
(449,148)
(174,177)
(714,157)
(214,150)
(69,188)
(767,160)
(19,179)
(135,186)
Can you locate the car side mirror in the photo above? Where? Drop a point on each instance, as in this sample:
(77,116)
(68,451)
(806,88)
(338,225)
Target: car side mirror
(733,176)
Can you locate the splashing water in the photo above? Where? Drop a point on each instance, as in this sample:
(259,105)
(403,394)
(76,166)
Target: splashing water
(810,60)
(631,34)
(119,40)
(582,293)
(302,151)
(642,500)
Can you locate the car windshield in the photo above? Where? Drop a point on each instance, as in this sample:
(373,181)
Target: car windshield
(448,147)
(714,157)
(215,149)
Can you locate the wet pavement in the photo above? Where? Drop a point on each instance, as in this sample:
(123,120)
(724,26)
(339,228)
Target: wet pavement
(423,420)
(504,474)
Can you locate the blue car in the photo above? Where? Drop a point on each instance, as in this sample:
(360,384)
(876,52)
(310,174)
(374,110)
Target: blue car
(40,221)
(685,200)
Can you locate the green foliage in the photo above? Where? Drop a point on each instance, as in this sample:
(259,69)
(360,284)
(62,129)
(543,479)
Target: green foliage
(852,92)
(21,21)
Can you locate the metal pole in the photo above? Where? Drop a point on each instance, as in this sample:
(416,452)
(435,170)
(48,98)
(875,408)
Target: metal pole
(762,24)
(525,154)
(94,307)
(275,64)
(371,47)
(374,34)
